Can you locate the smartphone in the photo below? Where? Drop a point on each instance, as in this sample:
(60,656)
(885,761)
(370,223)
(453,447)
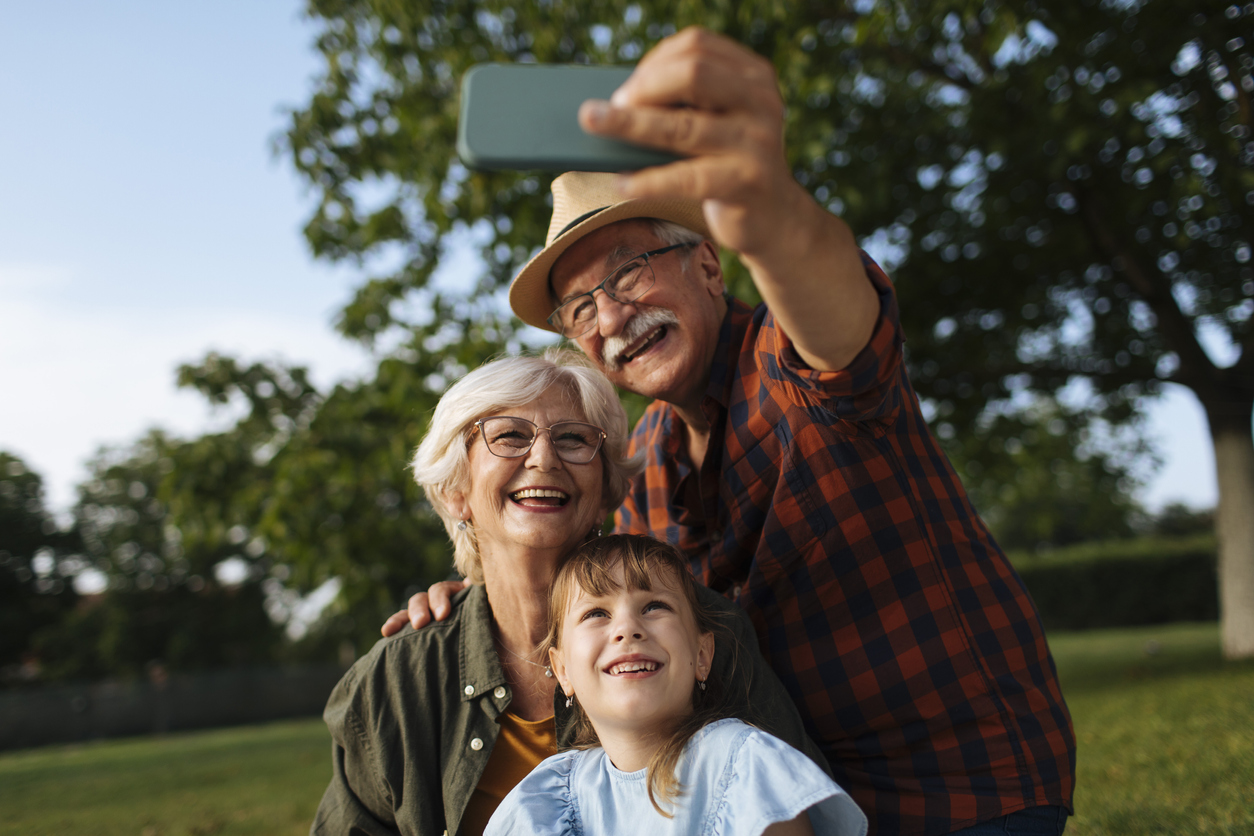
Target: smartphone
(526,117)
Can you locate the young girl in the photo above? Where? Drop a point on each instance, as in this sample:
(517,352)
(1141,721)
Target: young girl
(655,753)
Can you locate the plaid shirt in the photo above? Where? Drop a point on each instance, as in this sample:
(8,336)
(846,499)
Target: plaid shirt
(911,647)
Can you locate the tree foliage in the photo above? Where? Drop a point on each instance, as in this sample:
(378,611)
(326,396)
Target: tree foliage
(163,602)
(1062,191)
(1059,188)
(1040,485)
(35,588)
(340,502)
(315,488)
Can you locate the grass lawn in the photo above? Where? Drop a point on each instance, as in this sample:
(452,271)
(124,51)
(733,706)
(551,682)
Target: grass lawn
(247,780)
(1166,732)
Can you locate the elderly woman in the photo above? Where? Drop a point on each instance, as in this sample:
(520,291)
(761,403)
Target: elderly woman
(524,459)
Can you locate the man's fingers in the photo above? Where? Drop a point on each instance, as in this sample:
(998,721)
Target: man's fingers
(696,67)
(733,178)
(394,623)
(441,597)
(418,612)
(685,131)
(738,194)
(682,130)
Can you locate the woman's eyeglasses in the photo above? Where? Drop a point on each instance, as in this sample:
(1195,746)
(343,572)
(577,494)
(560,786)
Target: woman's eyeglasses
(509,438)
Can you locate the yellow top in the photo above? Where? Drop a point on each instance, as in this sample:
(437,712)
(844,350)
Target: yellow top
(519,748)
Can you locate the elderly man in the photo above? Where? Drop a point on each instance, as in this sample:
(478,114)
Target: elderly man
(786,453)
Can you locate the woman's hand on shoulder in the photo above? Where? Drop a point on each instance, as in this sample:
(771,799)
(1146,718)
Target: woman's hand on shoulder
(424,607)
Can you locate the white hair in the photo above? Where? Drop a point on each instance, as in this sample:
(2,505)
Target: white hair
(669,232)
(441,465)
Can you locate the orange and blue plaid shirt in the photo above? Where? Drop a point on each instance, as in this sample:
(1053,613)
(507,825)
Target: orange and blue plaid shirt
(911,647)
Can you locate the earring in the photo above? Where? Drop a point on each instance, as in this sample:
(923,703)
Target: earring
(462,525)
(570,700)
(701,682)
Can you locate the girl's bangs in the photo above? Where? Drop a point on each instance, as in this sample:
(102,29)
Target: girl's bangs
(600,577)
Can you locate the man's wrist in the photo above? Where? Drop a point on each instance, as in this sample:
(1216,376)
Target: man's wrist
(805,237)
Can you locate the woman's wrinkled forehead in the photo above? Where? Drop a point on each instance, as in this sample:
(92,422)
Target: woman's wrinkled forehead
(562,394)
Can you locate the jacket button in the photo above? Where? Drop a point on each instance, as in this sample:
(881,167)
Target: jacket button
(470,690)
(499,693)
(476,744)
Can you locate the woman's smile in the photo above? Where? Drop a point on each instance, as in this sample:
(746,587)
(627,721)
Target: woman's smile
(540,497)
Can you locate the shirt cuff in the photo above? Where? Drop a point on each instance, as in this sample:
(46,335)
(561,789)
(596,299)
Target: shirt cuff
(847,391)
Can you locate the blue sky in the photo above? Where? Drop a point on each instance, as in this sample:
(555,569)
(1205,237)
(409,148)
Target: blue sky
(145,220)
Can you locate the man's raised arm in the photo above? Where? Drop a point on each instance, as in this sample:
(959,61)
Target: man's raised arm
(706,97)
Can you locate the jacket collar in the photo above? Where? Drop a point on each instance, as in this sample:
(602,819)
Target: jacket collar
(481,669)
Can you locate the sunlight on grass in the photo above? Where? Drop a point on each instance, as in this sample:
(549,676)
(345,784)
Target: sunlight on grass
(1165,730)
(247,780)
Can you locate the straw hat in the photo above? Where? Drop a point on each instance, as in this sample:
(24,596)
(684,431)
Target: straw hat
(583,202)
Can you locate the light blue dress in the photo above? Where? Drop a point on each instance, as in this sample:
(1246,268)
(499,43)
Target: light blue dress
(737,780)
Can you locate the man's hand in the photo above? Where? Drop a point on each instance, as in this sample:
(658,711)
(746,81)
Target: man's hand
(424,607)
(717,103)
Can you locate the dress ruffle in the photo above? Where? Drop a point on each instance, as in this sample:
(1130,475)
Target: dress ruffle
(541,804)
(737,781)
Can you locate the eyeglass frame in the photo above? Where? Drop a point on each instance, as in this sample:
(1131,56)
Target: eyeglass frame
(647,256)
(478,427)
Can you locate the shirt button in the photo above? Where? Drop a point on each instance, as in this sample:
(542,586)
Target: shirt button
(476,744)
(499,693)
(470,690)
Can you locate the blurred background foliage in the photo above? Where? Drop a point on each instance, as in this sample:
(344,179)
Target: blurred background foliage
(1061,190)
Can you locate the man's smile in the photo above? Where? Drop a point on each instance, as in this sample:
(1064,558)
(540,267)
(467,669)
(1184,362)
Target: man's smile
(644,345)
(645,330)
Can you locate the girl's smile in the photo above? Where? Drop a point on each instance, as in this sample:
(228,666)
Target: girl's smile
(634,666)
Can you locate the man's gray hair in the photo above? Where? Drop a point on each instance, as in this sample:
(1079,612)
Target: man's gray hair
(441,465)
(669,232)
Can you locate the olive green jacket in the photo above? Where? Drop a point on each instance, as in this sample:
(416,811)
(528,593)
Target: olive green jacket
(413,722)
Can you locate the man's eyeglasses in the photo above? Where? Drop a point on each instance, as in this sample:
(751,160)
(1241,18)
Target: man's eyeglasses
(626,283)
(509,438)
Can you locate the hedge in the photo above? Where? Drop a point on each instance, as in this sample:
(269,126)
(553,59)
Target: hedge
(1124,583)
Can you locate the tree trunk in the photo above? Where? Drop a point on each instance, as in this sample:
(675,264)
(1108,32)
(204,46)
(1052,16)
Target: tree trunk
(1234,529)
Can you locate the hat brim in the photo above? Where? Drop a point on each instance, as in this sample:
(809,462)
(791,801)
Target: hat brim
(529,294)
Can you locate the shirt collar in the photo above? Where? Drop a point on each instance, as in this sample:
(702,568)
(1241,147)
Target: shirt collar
(480,666)
(731,335)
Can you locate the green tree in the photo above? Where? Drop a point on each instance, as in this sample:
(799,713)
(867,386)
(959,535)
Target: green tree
(172,526)
(1179,520)
(36,566)
(163,603)
(318,484)
(1040,484)
(1062,190)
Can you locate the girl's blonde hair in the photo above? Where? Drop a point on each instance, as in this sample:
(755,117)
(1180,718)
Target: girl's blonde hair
(593,569)
(441,465)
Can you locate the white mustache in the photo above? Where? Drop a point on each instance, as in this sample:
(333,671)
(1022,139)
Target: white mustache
(642,323)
